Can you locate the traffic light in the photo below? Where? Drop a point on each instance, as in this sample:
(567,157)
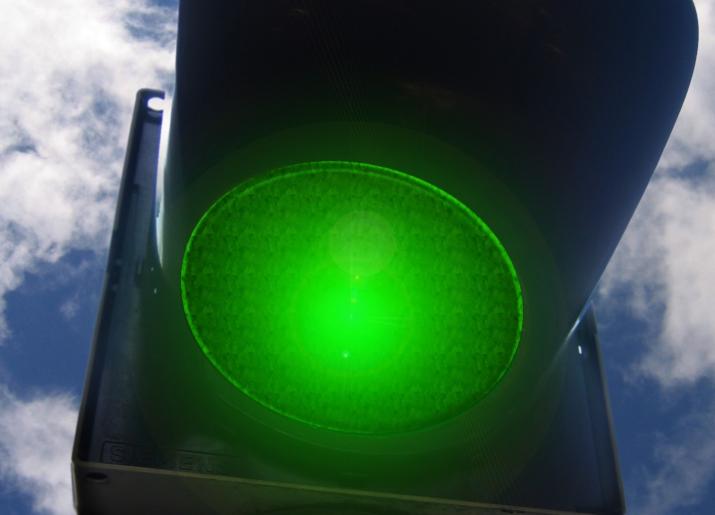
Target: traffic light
(360,284)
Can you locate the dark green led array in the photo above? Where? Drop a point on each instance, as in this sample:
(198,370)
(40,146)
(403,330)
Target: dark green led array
(352,297)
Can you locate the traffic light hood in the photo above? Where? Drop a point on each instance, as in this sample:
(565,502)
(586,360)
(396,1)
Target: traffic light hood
(565,105)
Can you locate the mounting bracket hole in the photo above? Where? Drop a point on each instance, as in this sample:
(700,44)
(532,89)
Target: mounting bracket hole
(155,104)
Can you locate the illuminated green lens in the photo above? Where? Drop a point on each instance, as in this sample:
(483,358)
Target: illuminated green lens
(352,297)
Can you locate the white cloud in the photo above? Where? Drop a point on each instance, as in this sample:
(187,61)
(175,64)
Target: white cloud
(70,307)
(35,449)
(665,265)
(69,70)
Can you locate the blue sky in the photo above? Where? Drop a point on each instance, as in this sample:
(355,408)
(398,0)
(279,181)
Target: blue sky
(69,70)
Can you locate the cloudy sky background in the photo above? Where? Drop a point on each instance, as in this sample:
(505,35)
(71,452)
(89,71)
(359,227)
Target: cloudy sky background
(69,70)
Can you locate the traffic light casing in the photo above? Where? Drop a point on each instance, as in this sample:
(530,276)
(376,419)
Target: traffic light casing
(527,128)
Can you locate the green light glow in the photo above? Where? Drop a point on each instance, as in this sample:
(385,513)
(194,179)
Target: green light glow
(352,297)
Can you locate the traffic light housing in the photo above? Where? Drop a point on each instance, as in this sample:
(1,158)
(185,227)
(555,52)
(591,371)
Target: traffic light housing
(363,285)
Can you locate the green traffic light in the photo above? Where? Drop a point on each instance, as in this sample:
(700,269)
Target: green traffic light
(352,297)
